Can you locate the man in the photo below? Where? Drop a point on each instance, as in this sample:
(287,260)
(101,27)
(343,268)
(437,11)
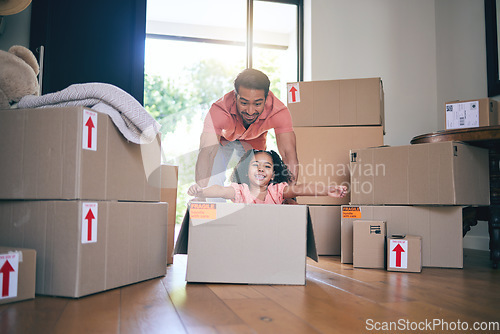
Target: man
(239,121)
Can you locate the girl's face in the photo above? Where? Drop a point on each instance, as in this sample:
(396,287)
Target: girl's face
(261,169)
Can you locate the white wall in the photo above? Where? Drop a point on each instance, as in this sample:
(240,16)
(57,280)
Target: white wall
(391,39)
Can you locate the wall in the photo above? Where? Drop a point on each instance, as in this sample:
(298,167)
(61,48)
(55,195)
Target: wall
(16,30)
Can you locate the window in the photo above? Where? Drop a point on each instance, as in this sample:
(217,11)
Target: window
(195,49)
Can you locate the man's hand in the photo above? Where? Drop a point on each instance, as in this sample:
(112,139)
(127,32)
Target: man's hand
(337,191)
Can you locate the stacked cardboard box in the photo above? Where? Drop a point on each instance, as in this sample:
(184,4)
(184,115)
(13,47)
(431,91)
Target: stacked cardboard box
(88,201)
(330,118)
(418,190)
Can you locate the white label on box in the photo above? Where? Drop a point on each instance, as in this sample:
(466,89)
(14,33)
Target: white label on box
(89,222)
(462,115)
(398,258)
(293,90)
(9,269)
(89,131)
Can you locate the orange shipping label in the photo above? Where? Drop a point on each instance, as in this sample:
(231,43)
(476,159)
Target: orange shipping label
(203,211)
(351,212)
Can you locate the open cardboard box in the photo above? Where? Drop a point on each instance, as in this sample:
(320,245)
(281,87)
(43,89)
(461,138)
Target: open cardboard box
(246,243)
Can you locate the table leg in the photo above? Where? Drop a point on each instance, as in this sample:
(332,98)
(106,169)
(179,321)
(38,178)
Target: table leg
(494,221)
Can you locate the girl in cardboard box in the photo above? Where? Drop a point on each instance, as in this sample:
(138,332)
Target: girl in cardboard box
(261,177)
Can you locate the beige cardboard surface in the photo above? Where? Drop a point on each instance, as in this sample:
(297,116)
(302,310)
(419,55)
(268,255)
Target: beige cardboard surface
(127,244)
(326,223)
(246,243)
(404,254)
(323,154)
(20,284)
(169,178)
(471,113)
(369,243)
(446,173)
(44,158)
(336,102)
(439,226)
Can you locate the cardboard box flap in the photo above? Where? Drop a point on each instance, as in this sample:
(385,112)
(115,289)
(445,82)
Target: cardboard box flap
(181,245)
(311,242)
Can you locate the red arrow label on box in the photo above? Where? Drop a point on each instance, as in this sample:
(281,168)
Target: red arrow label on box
(89,222)
(89,218)
(398,249)
(293,90)
(6,270)
(90,126)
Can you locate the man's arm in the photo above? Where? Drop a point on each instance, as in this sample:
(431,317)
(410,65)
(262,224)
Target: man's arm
(209,145)
(287,146)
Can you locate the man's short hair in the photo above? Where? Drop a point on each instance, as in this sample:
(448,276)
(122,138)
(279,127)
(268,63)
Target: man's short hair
(252,79)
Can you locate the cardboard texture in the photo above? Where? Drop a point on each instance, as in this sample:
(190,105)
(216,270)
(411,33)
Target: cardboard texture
(326,224)
(439,226)
(324,156)
(46,155)
(169,178)
(88,247)
(345,102)
(246,243)
(369,244)
(471,113)
(404,253)
(446,173)
(17,274)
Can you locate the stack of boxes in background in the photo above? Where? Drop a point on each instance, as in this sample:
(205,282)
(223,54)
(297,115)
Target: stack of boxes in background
(330,118)
(87,200)
(419,191)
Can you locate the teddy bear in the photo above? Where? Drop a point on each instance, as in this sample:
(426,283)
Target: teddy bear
(18,75)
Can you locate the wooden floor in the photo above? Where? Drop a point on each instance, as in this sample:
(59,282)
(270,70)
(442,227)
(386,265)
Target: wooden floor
(336,299)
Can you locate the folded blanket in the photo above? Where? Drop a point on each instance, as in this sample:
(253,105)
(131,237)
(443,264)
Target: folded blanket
(133,121)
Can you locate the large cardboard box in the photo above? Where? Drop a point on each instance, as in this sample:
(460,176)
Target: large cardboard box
(72,153)
(439,226)
(17,274)
(404,253)
(326,224)
(169,178)
(324,156)
(87,247)
(368,243)
(336,102)
(445,173)
(246,243)
(471,113)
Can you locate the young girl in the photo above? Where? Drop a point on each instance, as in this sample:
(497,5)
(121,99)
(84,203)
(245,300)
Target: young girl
(262,177)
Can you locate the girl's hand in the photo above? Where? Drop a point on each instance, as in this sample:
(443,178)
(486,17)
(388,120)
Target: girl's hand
(195,190)
(337,191)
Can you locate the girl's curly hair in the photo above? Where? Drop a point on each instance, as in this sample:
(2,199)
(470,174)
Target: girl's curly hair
(281,171)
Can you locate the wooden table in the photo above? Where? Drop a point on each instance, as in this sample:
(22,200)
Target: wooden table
(487,137)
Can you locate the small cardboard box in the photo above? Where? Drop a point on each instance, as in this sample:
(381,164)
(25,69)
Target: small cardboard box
(17,274)
(327,166)
(445,173)
(246,243)
(439,226)
(369,244)
(471,113)
(169,178)
(345,102)
(404,253)
(72,153)
(326,224)
(87,247)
